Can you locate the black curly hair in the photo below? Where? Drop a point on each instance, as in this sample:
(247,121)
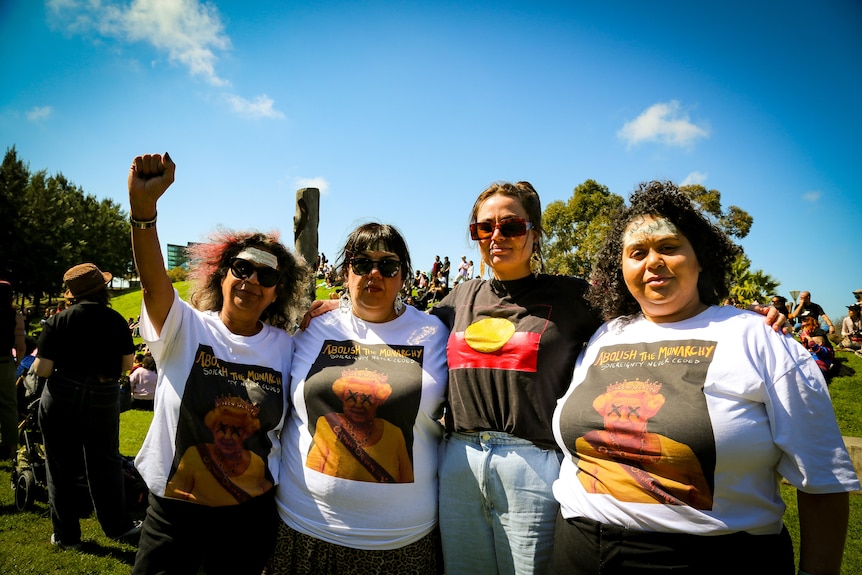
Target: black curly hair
(714,250)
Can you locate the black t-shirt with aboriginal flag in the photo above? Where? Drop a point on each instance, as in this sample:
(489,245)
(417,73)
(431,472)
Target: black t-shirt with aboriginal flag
(511,352)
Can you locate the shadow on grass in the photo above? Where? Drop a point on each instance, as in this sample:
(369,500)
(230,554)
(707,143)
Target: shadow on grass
(98,550)
(841,369)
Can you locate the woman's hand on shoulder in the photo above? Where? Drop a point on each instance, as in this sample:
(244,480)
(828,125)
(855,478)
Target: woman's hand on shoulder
(318,307)
(774,318)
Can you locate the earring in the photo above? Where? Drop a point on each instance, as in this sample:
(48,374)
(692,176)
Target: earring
(399,304)
(344,303)
(535,261)
(482,269)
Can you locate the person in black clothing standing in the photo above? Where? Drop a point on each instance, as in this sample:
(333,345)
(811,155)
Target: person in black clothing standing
(445,271)
(11,337)
(83,350)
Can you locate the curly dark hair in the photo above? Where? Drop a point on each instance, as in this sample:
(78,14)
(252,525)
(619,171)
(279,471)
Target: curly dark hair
(714,250)
(209,264)
(366,238)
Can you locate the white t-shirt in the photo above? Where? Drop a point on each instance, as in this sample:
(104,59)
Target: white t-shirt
(207,373)
(376,499)
(689,426)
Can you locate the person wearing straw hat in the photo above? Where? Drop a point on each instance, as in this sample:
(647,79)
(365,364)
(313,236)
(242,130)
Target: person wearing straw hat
(83,350)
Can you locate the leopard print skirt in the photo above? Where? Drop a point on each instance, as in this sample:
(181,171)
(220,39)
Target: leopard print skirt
(299,554)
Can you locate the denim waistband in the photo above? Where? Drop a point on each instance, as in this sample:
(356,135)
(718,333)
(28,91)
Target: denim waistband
(490,438)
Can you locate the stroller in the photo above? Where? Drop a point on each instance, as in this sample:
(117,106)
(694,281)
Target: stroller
(29,477)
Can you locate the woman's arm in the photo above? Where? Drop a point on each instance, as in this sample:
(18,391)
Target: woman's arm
(149,178)
(127,363)
(318,307)
(823,527)
(43,367)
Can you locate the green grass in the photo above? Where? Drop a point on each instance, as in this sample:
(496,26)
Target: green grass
(24,536)
(128,304)
(25,546)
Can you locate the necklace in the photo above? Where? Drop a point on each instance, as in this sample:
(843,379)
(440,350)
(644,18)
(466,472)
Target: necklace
(228,469)
(352,430)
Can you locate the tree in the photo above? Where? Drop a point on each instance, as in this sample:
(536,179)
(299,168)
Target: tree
(13,183)
(747,286)
(48,224)
(178,274)
(575,229)
(735,222)
(750,286)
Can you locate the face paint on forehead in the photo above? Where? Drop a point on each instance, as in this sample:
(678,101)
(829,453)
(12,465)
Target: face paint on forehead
(259,257)
(643,227)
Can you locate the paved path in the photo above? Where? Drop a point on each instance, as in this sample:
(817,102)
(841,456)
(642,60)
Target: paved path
(854,447)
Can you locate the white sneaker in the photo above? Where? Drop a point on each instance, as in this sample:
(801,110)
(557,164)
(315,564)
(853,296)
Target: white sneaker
(56,543)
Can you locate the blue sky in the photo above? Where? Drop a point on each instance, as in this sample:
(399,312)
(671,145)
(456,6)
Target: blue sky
(402,112)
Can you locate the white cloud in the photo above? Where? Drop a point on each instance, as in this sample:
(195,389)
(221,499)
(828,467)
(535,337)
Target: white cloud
(811,196)
(259,107)
(191,33)
(318,182)
(39,113)
(694,178)
(666,123)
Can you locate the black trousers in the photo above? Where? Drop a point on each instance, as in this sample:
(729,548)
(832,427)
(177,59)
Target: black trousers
(179,537)
(80,423)
(586,547)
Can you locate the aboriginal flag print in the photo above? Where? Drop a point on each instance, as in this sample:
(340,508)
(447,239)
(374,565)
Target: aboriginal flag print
(500,337)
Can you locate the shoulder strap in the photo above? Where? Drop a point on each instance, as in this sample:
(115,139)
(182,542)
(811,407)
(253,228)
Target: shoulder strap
(221,476)
(374,468)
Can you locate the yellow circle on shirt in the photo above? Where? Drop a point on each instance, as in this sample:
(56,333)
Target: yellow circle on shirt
(489,335)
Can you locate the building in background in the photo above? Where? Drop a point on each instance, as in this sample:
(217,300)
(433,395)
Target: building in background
(178,256)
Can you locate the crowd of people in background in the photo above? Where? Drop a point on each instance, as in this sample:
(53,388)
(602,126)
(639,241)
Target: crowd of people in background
(426,287)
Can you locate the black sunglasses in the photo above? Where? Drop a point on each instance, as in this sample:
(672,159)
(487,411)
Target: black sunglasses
(243,269)
(511,228)
(387,268)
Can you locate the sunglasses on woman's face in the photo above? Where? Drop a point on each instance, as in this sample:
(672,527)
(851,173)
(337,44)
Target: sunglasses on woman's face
(387,268)
(244,269)
(510,228)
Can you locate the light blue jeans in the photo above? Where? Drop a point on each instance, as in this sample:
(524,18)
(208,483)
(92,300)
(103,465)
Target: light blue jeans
(497,510)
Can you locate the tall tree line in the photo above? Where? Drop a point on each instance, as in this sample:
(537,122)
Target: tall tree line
(576,229)
(48,224)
